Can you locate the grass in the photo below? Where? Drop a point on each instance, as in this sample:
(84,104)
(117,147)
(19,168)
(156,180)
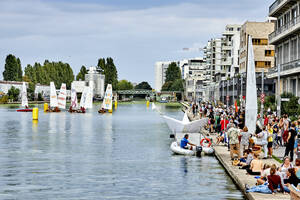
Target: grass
(277,159)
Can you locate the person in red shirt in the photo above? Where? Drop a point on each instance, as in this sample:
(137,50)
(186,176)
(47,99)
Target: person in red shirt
(224,123)
(274,181)
(266,120)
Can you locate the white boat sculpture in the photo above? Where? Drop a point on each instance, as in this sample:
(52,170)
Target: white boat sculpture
(62,96)
(185,126)
(251,91)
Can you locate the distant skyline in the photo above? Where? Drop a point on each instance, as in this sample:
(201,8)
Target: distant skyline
(134,33)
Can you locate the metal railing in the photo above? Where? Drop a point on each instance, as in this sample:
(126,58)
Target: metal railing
(274,5)
(285,27)
(286,66)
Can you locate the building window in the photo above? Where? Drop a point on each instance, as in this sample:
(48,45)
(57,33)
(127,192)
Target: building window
(256,41)
(262,64)
(269,53)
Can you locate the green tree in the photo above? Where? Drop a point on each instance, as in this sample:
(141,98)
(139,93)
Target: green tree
(13,93)
(110,71)
(173,72)
(177,85)
(12,69)
(290,107)
(124,85)
(167,86)
(143,85)
(81,75)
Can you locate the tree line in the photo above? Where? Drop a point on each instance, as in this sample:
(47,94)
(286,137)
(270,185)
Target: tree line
(60,72)
(174,81)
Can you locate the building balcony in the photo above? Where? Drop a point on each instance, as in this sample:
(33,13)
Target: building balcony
(280,6)
(228,33)
(285,69)
(227,47)
(284,31)
(227,62)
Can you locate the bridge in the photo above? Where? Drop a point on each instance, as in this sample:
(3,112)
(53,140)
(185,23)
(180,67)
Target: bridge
(133,92)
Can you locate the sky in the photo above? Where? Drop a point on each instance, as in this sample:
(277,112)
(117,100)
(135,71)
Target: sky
(135,33)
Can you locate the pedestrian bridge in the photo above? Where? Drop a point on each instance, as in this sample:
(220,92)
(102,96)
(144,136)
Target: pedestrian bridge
(133,92)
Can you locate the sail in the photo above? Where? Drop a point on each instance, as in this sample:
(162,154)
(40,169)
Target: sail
(251,91)
(107,101)
(89,98)
(74,102)
(24,95)
(53,96)
(62,96)
(83,97)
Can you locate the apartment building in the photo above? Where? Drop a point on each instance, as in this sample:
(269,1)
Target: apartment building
(160,74)
(263,51)
(194,72)
(286,38)
(230,50)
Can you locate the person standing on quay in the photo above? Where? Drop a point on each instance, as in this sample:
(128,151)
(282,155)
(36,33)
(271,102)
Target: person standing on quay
(291,142)
(233,135)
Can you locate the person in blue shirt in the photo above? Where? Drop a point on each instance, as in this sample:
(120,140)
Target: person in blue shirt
(184,142)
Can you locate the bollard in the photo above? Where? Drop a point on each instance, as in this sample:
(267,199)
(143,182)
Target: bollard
(148,103)
(45,107)
(35,114)
(116,104)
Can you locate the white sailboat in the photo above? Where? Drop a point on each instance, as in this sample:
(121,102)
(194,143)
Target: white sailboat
(24,100)
(53,96)
(251,91)
(89,98)
(74,102)
(62,96)
(83,97)
(185,126)
(24,96)
(107,101)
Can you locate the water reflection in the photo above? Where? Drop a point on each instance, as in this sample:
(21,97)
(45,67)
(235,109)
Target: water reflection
(124,155)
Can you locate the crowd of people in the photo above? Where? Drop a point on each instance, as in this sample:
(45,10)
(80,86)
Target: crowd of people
(245,147)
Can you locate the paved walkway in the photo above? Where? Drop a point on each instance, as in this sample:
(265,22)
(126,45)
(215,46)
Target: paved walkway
(241,178)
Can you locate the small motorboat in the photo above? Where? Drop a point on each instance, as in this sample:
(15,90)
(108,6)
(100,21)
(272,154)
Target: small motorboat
(25,110)
(175,148)
(208,150)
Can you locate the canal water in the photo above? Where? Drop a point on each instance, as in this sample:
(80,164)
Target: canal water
(124,155)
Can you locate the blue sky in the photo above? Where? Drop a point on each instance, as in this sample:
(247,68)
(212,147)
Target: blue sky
(135,33)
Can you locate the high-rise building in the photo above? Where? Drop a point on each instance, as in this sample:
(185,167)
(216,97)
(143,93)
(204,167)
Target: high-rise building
(160,74)
(286,38)
(230,50)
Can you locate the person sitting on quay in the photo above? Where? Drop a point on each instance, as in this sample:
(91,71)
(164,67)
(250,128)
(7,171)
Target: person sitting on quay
(264,174)
(274,184)
(282,171)
(233,136)
(291,178)
(250,156)
(256,166)
(184,143)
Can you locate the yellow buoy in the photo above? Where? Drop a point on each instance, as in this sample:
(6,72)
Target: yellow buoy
(45,107)
(148,103)
(110,110)
(116,104)
(35,114)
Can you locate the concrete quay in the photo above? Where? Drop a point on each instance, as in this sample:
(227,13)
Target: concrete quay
(240,177)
